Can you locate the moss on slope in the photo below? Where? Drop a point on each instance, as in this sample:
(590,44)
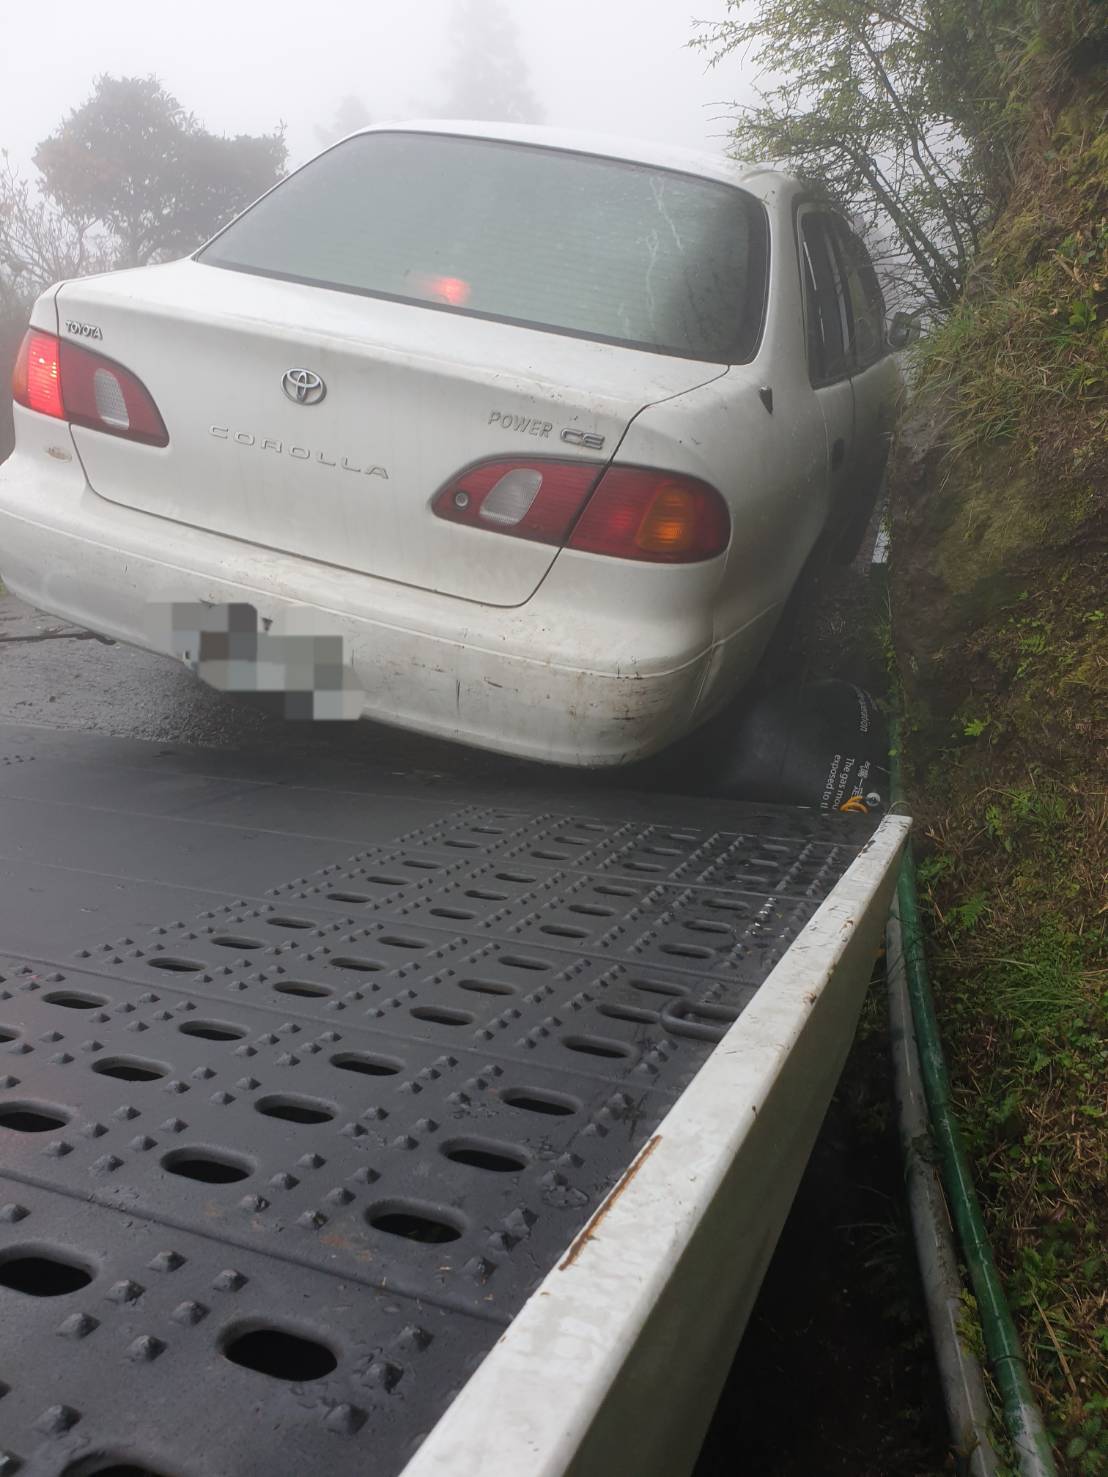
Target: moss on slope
(999,588)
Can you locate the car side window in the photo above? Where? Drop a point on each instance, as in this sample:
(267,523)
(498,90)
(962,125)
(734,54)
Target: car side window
(829,327)
(867,306)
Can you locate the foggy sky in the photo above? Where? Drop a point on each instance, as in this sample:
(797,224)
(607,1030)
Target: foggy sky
(242,66)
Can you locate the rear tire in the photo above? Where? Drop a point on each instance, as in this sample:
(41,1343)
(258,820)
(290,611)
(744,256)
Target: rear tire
(821,744)
(844,542)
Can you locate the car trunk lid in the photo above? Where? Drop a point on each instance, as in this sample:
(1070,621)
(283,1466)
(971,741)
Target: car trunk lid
(411,396)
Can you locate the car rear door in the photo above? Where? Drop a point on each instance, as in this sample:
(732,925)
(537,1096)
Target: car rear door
(874,375)
(827,325)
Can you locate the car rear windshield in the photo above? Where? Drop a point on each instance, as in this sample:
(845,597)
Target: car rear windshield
(571,243)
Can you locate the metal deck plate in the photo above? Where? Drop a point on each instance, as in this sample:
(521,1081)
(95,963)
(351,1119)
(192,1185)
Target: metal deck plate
(304,1086)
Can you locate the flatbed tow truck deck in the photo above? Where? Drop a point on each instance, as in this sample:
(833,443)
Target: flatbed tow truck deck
(392,1125)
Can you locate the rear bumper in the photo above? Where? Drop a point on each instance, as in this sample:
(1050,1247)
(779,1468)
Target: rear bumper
(572,677)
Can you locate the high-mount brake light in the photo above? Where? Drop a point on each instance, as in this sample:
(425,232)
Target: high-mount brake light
(71,383)
(624,512)
(452,290)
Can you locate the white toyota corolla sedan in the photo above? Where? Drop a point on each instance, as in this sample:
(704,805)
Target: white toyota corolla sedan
(537,429)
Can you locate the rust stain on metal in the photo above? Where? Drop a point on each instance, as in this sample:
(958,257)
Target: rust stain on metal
(593,1226)
(336,1241)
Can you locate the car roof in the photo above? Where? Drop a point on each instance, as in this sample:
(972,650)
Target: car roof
(701,162)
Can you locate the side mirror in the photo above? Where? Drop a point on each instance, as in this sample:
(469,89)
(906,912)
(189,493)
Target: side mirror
(904,329)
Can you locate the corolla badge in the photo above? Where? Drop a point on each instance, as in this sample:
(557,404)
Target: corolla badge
(303,386)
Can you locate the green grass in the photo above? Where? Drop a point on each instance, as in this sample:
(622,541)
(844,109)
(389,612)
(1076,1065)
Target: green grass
(1002,639)
(1012,884)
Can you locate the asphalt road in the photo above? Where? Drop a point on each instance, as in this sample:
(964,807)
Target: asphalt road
(60,676)
(57,675)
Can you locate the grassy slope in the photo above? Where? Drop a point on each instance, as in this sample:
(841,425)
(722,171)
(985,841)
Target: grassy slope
(1000,624)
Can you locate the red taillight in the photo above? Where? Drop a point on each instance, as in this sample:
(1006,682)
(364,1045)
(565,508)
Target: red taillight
(536,500)
(64,380)
(661,517)
(36,381)
(633,513)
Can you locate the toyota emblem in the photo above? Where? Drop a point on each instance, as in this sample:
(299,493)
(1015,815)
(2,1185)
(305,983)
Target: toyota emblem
(304,386)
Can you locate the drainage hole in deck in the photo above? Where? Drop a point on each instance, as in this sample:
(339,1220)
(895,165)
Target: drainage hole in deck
(597,1046)
(486,897)
(462,845)
(705,925)
(371,1066)
(514,877)
(279,1354)
(7,1034)
(562,931)
(296,1110)
(105,1466)
(700,1015)
(175,965)
(754,882)
(130,1069)
(531,1100)
(209,1169)
(42,1276)
(211,1031)
(441,1016)
(281,920)
(413,1223)
(25,1118)
(628,1013)
(655,987)
(380,880)
(349,897)
(497,1159)
(460,915)
(551,856)
(687,951)
(71,1000)
(303,989)
(519,961)
(486,987)
(395,941)
(608,889)
(363,966)
(237,941)
(421,864)
(590,910)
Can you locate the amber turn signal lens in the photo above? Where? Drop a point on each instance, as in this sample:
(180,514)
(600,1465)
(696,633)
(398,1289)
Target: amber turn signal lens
(669,525)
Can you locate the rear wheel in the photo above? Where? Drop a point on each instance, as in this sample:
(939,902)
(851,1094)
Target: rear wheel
(845,537)
(820,743)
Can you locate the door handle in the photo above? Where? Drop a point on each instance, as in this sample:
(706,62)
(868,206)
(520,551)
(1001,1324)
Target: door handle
(838,452)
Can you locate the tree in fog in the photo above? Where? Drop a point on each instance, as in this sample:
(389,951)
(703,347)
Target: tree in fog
(350,115)
(488,77)
(134,163)
(39,245)
(884,107)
